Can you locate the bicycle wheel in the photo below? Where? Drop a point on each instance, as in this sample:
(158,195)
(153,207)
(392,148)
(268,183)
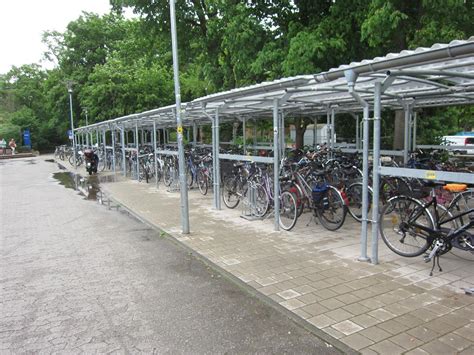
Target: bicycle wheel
(331,210)
(189,176)
(399,226)
(463,202)
(288,211)
(354,198)
(167,175)
(230,193)
(202,182)
(262,201)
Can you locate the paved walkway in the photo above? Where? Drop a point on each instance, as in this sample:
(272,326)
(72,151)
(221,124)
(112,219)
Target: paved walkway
(78,278)
(390,308)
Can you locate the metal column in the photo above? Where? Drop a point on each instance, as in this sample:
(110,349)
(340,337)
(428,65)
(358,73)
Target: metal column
(218,165)
(414,130)
(195,130)
(215,158)
(333,119)
(179,128)
(376,175)
(154,152)
(124,159)
(357,132)
(244,128)
(104,143)
(137,166)
(282,135)
(113,151)
(406,139)
(254,132)
(276,169)
(315,122)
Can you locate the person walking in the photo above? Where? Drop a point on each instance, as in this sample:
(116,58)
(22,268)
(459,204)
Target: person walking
(12,145)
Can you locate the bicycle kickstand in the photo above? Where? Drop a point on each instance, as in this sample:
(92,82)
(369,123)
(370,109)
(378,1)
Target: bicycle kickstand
(435,262)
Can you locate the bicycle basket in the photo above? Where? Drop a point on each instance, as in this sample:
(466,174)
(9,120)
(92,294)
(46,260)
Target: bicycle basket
(319,191)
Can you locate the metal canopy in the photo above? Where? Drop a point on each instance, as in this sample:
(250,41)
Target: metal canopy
(437,76)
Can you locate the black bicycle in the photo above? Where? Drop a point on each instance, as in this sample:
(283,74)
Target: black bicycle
(410,228)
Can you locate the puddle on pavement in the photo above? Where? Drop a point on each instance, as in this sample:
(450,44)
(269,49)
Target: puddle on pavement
(88,187)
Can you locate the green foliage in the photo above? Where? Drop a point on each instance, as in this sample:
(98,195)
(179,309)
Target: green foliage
(121,66)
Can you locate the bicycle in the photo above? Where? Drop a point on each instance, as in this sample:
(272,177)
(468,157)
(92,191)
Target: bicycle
(410,228)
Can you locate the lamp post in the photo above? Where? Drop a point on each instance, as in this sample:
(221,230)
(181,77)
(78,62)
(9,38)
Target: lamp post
(179,127)
(87,132)
(69,90)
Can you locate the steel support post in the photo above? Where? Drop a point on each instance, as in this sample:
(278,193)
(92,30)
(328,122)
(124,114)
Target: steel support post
(376,173)
(97,137)
(217,191)
(137,147)
(276,169)
(154,153)
(235,126)
(351,78)
(414,130)
(357,132)
(179,128)
(104,143)
(328,128)
(254,133)
(315,123)
(87,139)
(333,119)
(406,139)
(195,131)
(112,131)
(282,135)
(214,162)
(124,159)
(244,130)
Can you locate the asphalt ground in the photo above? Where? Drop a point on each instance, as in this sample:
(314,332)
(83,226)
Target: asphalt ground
(76,277)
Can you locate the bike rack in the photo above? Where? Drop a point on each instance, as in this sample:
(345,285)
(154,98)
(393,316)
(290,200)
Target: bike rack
(249,204)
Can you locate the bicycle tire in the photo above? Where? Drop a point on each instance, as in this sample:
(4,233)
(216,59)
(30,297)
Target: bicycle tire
(332,210)
(288,211)
(167,175)
(202,182)
(230,192)
(398,232)
(354,198)
(262,201)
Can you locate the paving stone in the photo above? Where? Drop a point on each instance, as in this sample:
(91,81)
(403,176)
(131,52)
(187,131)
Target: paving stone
(356,341)
(387,347)
(365,320)
(339,314)
(406,341)
(416,351)
(347,327)
(356,309)
(455,341)
(423,333)
(437,347)
(332,303)
(309,298)
(321,321)
(288,294)
(467,331)
(315,309)
(292,304)
(392,326)
(376,334)
(347,298)
(381,314)
(468,351)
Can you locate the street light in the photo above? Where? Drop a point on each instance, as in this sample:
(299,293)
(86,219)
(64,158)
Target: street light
(69,90)
(87,132)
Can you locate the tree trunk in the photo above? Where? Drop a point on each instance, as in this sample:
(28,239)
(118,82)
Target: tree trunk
(399,130)
(300,129)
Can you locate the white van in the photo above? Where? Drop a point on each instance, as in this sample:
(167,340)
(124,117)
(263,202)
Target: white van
(465,143)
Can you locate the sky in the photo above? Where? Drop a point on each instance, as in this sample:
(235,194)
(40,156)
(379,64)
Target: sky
(22,23)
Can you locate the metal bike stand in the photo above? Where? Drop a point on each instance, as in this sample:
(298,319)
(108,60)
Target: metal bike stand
(249,204)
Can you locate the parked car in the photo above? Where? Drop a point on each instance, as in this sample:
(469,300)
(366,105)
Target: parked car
(465,143)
